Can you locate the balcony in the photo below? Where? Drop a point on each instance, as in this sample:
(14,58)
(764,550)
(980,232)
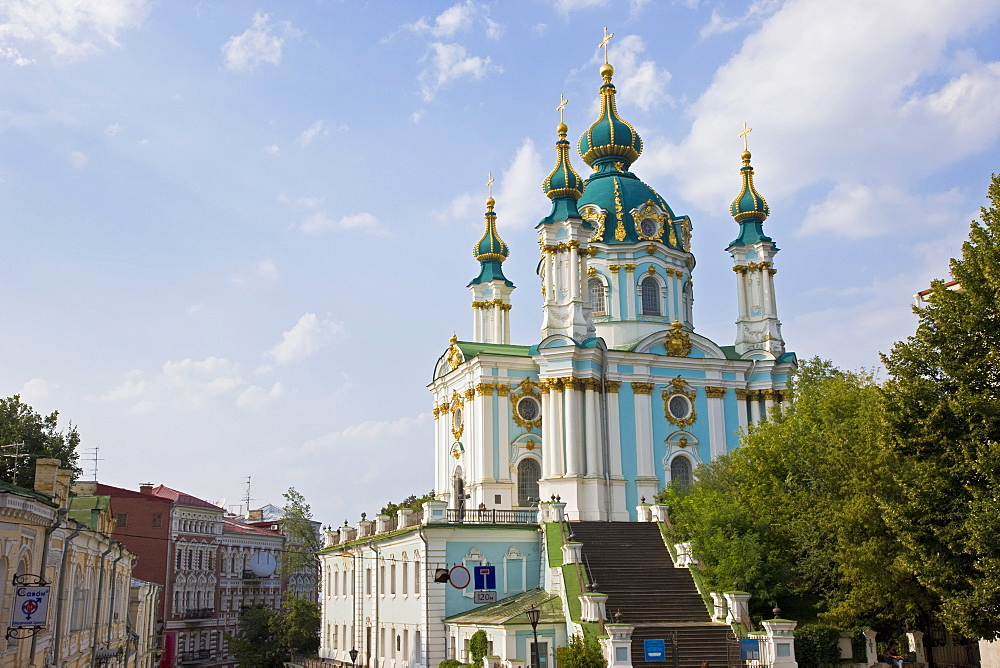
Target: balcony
(195,657)
(199,613)
(456,516)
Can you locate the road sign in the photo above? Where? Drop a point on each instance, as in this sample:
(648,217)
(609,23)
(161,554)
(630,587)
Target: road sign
(749,649)
(30,606)
(459,577)
(486,577)
(483,596)
(655,649)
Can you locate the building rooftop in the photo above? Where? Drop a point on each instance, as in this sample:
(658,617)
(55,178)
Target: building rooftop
(183,499)
(511,610)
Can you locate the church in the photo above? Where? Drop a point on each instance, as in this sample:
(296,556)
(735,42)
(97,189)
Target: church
(534,442)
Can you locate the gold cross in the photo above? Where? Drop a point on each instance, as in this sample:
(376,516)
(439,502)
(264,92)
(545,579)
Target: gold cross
(489,184)
(561,108)
(746,131)
(604,43)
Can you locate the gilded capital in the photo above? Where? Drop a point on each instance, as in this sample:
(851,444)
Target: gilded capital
(503,390)
(485,388)
(741,394)
(614,268)
(470,393)
(612,386)
(715,392)
(630,268)
(642,388)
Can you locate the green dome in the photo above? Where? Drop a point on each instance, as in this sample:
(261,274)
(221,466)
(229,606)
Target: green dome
(491,250)
(610,137)
(749,209)
(563,181)
(618,194)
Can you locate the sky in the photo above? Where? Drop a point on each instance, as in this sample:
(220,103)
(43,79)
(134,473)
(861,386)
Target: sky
(236,236)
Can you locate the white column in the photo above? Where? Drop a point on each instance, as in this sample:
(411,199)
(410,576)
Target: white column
(574,435)
(716,420)
(754,398)
(741,293)
(766,289)
(503,419)
(628,280)
(574,271)
(477,323)
(559,439)
(614,430)
(506,324)
(741,408)
(484,425)
(592,433)
(642,398)
(548,432)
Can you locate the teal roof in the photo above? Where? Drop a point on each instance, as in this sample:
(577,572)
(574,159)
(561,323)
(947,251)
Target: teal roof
(21,491)
(610,138)
(491,250)
(511,610)
(749,209)
(563,185)
(87,509)
(471,349)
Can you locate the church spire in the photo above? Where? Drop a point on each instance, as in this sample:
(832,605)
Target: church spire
(491,290)
(563,185)
(758,330)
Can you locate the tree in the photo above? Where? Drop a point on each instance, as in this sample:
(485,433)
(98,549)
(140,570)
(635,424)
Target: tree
(478,647)
(581,653)
(793,516)
(300,626)
(301,537)
(41,438)
(259,641)
(943,410)
(412,502)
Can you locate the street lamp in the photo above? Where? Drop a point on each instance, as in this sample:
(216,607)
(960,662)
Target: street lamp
(533,615)
(354,656)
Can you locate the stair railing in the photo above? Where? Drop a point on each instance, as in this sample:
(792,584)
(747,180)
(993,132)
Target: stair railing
(567,534)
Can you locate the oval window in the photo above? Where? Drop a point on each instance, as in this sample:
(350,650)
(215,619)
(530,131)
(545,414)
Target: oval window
(679,406)
(528,409)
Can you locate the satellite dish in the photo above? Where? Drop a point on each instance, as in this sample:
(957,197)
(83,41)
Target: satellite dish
(263,564)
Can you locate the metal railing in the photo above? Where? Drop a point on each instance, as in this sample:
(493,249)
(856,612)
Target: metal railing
(199,613)
(494,516)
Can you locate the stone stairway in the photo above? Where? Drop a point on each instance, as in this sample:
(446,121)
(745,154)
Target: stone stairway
(630,563)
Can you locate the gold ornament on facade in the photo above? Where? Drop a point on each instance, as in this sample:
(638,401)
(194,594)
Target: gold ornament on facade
(526,388)
(630,268)
(651,271)
(529,444)
(612,386)
(649,211)
(673,235)
(595,216)
(677,341)
(715,392)
(470,393)
(613,268)
(485,388)
(503,390)
(457,415)
(591,271)
(642,388)
(651,249)
(682,442)
(571,383)
(619,213)
(679,387)
(741,394)
(454,354)
(686,235)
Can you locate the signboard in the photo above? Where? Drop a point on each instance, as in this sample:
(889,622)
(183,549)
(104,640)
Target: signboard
(483,596)
(749,649)
(459,577)
(30,606)
(486,577)
(655,649)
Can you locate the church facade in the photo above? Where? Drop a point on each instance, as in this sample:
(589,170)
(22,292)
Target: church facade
(617,398)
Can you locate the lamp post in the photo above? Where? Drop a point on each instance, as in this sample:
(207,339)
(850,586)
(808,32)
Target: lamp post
(533,615)
(354,656)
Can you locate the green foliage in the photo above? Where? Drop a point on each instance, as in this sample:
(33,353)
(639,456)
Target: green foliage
(300,626)
(478,647)
(302,540)
(19,423)
(943,411)
(816,644)
(258,639)
(859,646)
(581,653)
(450,663)
(412,502)
(792,516)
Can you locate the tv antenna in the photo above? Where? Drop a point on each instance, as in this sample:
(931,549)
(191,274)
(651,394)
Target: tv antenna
(95,451)
(248,498)
(17,457)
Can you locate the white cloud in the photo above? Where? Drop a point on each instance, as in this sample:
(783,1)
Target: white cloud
(565,6)
(185,385)
(461,17)
(305,339)
(320,221)
(838,99)
(112,129)
(272,149)
(639,82)
(518,193)
(68,29)
(719,24)
(258,44)
(78,159)
(36,390)
(255,396)
(859,211)
(449,62)
(267,269)
(417,116)
(319,128)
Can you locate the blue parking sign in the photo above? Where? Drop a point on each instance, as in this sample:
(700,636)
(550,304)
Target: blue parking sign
(655,649)
(486,577)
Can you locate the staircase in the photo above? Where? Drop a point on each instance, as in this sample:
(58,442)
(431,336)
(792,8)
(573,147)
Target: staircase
(630,563)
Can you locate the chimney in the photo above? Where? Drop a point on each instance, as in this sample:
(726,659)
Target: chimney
(46,474)
(63,479)
(146,488)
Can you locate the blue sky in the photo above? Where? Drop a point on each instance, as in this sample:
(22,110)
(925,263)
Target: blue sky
(237,236)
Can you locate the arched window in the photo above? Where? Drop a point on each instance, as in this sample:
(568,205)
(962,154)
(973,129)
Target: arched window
(598,297)
(650,293)
(528,473)
(680,471)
